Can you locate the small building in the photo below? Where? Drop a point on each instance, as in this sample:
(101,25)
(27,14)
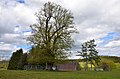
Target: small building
(68,66)
(34,67)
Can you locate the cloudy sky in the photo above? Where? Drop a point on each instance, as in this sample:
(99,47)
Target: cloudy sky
(94,19)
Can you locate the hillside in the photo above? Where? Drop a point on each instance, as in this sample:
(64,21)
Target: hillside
(113,58)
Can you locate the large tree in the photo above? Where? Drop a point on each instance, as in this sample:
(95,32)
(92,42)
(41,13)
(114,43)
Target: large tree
(52,32)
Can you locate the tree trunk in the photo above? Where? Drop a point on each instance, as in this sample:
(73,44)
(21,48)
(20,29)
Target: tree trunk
(86,68)
(91,65)
(46,66)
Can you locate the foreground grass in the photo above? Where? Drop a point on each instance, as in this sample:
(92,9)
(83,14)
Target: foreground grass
(12,74)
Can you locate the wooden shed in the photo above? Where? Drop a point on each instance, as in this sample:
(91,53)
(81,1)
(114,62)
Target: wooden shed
(68,66)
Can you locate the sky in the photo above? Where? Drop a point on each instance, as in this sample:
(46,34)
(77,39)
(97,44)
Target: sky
(94,19)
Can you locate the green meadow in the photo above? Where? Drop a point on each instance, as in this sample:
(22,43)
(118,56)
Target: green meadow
(22,74)
(32,74)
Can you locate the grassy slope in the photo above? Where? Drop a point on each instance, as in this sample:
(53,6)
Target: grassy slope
(7,74)
(3,65)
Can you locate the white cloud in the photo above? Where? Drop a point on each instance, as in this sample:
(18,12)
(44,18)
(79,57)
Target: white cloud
(114,43)
(7,48)
(11,16)
(94,19)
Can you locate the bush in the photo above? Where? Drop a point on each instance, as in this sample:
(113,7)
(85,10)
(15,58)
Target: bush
(79,66)
(117,65)
(107,65)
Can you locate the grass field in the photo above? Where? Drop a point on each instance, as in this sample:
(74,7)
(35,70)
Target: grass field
(16,74)
(3,65)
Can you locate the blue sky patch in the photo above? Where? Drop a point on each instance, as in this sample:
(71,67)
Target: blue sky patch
(107,38)
(21,1)
(25,46)
(27,31)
